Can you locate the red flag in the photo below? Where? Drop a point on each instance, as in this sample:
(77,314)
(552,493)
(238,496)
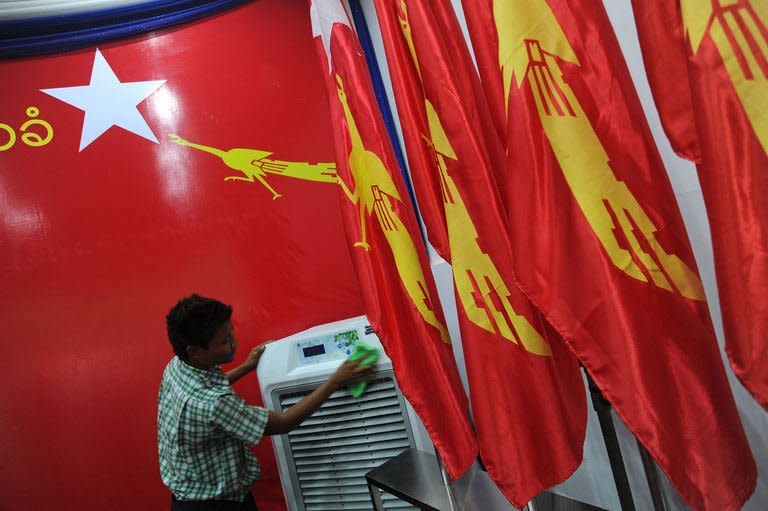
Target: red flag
(719,66)
(526,390)
(398,290)
(608,259)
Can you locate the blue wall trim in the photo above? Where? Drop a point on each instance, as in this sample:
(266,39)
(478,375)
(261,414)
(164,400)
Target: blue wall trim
(56,34)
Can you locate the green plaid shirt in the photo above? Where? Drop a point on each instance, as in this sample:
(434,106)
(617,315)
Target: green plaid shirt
(203,432)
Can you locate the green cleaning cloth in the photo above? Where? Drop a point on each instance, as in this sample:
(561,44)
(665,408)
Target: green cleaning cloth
(367,355)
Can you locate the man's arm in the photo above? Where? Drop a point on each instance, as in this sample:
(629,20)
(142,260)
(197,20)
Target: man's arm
(349,372)
(249,365)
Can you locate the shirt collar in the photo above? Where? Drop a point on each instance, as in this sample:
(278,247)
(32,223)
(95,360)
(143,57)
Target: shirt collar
(203,377)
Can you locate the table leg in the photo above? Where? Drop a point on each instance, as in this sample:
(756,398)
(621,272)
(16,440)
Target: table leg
(375,492)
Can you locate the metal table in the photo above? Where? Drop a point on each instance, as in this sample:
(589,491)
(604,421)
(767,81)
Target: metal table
(415,477)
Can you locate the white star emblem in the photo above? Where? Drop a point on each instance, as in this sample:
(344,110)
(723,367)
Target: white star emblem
(324,13)
(107,102)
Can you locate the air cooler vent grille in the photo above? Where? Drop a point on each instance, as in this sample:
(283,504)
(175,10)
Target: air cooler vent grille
(331,451)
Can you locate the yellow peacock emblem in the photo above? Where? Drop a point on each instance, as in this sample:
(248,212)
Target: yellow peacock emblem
(530,44)
(739,30)
(373,192)
(483,294)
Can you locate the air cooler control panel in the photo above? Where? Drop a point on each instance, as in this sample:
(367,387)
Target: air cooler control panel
(325,348)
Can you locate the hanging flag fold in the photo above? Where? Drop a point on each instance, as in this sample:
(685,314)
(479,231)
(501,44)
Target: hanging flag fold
(720,67)
(389,254)
(607,257)
(526,390)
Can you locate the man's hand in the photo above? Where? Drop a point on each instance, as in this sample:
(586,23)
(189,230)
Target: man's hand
(249,365)
(253,357)
(350,372)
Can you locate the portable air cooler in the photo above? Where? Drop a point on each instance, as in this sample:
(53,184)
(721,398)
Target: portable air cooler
(323,463)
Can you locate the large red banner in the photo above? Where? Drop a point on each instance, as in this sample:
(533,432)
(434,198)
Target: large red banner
(608,260)
(191,160)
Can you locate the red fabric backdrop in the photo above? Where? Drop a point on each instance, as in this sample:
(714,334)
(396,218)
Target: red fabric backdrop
(96,245)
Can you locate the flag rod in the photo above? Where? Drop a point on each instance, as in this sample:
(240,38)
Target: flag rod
(452,505)
(603,409)
(652,476)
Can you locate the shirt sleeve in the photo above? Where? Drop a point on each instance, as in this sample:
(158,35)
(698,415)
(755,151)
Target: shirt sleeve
(240,420)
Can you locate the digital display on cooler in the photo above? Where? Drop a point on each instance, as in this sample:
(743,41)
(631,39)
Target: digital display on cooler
(311,351)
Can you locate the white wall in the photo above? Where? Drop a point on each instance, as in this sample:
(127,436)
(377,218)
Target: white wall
(592,482)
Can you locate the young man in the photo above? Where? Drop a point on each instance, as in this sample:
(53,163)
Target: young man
(204,428)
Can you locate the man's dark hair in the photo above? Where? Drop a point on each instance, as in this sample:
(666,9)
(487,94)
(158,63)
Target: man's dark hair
(193,321)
